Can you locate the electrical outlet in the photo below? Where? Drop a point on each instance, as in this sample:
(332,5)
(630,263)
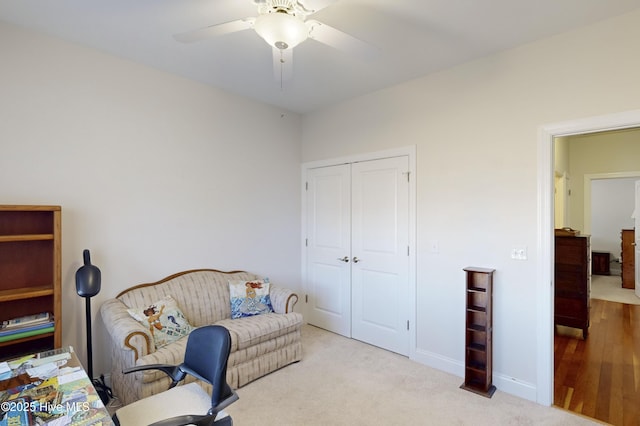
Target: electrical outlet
(519,253)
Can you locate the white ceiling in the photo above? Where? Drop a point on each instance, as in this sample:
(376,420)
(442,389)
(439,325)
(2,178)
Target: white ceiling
(413,38)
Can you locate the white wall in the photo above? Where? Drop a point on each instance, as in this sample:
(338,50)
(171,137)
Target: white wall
(612,203)
(599,155)
(155,174)
(476,131)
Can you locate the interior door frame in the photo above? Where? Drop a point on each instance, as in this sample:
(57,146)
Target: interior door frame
(410,152)
(636,222)
(561,181)
(545,287)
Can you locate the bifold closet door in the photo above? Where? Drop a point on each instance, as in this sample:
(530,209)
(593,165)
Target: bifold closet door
(357,266)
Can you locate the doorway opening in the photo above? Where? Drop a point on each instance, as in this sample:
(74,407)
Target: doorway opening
(588,372)
(546,218)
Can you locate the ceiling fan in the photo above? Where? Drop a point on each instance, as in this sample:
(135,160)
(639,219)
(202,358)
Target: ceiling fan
(283,24)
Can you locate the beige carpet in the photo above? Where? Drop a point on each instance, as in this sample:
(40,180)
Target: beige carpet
(345,382)
(609,287)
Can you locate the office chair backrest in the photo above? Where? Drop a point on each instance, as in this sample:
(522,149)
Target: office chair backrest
(206,355)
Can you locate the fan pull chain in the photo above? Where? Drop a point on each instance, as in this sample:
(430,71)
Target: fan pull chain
(281,71)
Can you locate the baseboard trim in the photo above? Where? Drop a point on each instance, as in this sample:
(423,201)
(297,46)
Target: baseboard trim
(516,387)
(502,382)
(439,362)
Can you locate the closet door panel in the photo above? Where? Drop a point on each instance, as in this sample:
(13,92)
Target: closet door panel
(329,248)
(380,258)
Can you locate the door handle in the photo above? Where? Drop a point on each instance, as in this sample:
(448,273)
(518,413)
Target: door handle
(344,259)
(356,260)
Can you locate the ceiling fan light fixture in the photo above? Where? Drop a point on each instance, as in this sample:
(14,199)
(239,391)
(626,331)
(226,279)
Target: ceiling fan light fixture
(281,30)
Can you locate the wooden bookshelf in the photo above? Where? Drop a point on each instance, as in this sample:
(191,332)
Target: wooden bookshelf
(478,368)
(30,272)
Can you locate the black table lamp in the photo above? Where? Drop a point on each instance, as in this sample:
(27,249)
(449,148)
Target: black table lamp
(87,286)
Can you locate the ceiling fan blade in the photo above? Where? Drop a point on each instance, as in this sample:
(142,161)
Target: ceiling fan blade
(315,5)
(282,64)
(339,40)
(215,30)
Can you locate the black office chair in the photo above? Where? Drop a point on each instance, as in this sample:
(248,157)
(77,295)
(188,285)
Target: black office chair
(205,358)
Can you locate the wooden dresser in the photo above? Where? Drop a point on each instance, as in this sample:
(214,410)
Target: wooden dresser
(572,282)
(627,258)
(600,263)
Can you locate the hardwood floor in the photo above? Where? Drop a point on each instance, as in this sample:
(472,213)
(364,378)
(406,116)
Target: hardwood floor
(600,377)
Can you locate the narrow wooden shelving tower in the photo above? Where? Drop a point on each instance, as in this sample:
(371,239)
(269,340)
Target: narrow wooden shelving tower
(478,368)
(30,272)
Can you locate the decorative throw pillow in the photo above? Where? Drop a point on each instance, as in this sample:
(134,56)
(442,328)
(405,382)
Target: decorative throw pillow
(249,298)
(165,321)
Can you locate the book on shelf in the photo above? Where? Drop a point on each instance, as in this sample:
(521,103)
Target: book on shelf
(29,327)
(22,334)
(26,320)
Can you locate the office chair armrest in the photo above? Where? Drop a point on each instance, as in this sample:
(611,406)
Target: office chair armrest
(207,420)
(173,371)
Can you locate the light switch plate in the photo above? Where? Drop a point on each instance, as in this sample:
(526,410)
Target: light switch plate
(519,253)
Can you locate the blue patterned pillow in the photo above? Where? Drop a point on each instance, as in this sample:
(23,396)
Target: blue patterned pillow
(249,298)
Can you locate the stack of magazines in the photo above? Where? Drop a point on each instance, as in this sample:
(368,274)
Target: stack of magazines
(26,326)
